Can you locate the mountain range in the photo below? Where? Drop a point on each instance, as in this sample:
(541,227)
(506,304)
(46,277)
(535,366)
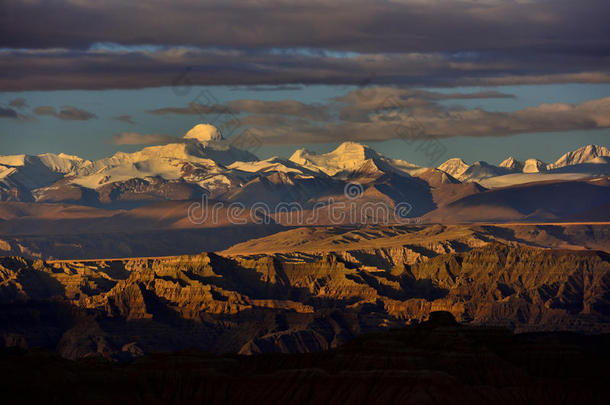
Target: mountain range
(203,163)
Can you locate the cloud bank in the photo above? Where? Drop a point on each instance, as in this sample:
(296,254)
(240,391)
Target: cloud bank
(382,113)
(396,118)
(118,44)
(54,70)
(363,26)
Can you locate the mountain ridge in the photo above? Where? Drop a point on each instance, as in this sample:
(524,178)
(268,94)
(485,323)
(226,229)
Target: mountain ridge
(203,163)
(204,151)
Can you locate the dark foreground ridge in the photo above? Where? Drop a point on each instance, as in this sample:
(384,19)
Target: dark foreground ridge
(436,362)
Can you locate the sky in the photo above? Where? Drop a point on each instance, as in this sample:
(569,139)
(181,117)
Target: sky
(480,80)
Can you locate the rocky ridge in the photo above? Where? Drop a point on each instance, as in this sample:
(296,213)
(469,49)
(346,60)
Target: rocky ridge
(252,304)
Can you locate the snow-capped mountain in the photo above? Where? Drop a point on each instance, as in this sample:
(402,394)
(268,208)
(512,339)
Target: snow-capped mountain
(512,164)
(477,171)
(202,162)
(347,158)
(62,163)
(529,166)
(481,170)
(586,154)
(204,133)
(455,167)
(198,159)
(40,166)
(201,148)
(533,166)
(512,171)
(19,174)
(273,164)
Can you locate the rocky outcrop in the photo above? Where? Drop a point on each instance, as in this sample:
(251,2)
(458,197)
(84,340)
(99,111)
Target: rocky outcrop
(282,303)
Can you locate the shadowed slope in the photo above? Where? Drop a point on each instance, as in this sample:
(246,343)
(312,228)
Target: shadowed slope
(434,362)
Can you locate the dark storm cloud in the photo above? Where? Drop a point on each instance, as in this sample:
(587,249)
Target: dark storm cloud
(277,42)
(55,69)
(354,25)
(66,113)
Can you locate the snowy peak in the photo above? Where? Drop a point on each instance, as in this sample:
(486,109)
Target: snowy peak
(204,133)
(370,169)
(300,154)
(529,166)
(349,156)
(512,164)
(166,161)
(273,164)
(585,154)
(57,163)
(200,159)
(63,163)
(454,167)
(354,150)
(481,170)
(435,177)
(27,172)
(13,160)
(183,151)
(533,166)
